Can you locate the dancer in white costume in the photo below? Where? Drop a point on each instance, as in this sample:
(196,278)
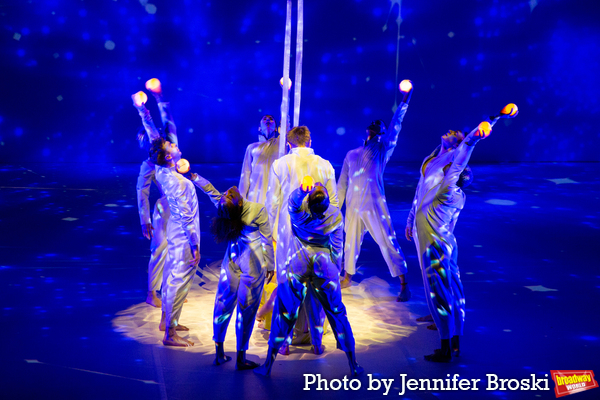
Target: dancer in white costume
(285,176)
(244,225)
(155,228)
(313,266)
(361,186)
(183,235)
(258,159)
(438,202)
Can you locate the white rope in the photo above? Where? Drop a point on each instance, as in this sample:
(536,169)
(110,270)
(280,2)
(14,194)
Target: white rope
(299,48)
(286,79)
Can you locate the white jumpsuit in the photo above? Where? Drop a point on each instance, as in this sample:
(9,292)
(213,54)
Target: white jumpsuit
(183,233)
(312,267)
(436,209)
(161,213)
(258,159)
(242,271)
(361,186)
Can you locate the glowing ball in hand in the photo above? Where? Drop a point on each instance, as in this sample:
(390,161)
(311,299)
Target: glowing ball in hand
(140,98)
(289,83)
(510,110)
(406,86)
(183,166)
(307,183)
(153,85)
(484,129)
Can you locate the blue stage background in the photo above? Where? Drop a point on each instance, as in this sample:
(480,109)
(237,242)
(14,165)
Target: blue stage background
(69,68)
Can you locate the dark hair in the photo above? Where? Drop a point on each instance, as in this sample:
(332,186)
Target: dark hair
(376,127)
(465,178)
(157,152)
(227,226)
(299,136)
(318,203)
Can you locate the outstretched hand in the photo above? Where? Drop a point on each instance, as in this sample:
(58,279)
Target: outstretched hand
(195,256)
(408,233)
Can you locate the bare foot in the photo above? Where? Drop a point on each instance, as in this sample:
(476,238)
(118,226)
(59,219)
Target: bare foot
(173,339)
(404,294)
(162,326)
(432,327)
(153,299)
(185,301)
(427,318)
(221,360)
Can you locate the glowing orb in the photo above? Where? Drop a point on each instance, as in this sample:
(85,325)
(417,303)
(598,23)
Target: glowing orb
(289,83)
(153,85)
(140,98)
(484,129)
(307,183)
(183,166)
(406,86)
(510,110)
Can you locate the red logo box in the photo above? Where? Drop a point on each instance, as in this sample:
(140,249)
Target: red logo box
(572,381)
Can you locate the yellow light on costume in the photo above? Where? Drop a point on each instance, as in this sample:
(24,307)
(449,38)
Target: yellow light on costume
(183,166)
(140,98)
(510,110)
(307,183)
(406,86)
(485,129)
(289,83)
(153,85)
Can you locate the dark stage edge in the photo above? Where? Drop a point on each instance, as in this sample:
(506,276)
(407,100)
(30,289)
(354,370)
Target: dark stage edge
(72,257)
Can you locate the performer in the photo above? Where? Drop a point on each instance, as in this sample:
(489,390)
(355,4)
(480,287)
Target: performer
(244,225)
(183,236)
(361,186)
(438,202)
(258,159)
(285,176)
(315,250)
(155,228)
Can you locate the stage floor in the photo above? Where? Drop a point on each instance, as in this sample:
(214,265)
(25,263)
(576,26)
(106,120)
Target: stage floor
(73,284)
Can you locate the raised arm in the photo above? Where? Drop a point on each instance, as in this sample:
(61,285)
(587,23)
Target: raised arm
(298,214)
(390,138)
(151,130)
(167,121)
(144,182)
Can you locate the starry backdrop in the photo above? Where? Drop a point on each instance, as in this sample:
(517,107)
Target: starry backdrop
(70,67)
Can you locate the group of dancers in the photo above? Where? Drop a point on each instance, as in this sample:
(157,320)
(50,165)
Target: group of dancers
(284,221)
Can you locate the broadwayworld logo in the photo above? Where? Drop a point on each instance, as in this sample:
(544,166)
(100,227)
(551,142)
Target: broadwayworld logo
(570,382)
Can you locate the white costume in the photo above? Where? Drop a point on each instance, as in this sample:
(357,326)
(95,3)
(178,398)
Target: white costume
(254,180)
(285,176)
(361,186)
(183,233)
(161,214)
(315,258)
(242,271)
(438,202)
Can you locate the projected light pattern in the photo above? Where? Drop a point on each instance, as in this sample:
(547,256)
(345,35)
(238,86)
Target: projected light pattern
(83,57)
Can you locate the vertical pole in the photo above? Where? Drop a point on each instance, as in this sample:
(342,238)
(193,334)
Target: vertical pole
(299,49)
(286,79)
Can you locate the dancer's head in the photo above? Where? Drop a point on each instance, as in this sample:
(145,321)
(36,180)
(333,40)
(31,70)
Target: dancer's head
(164,153)
(299,137)
(318,200)
(465,178)
(376,128)
(452,139)
(227,225)
(267,128)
